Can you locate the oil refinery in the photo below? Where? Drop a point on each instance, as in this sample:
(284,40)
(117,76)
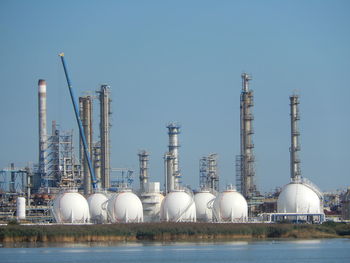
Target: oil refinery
(65,189)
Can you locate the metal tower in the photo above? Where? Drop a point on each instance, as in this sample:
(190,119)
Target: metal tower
(143,159)
(209,178)
(295,172)
(246,183)
(105,112)
(86,113)
(61,170)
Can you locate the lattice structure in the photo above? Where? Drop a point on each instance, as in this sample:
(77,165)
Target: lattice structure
(62,170)
(209,177)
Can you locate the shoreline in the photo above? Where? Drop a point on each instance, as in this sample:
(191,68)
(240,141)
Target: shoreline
(164,232)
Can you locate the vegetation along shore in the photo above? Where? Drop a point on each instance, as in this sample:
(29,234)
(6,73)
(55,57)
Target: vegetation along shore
(168,232)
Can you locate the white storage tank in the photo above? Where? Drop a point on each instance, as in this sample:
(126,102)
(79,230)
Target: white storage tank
(124,207)
(204,205)
(298,198)
(230,206)
(71,207)
(151,201)
(98,207)
(178,206)
(21,208)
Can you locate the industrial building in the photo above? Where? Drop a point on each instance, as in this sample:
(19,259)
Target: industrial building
(63,188)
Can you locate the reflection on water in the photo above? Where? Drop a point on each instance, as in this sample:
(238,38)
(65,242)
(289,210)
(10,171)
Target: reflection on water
(319,250)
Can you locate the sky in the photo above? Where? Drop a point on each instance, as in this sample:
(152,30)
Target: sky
(182,61)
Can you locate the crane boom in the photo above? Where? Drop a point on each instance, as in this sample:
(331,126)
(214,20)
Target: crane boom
(81,129)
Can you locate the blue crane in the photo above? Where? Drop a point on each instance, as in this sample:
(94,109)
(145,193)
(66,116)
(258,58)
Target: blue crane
(81,129)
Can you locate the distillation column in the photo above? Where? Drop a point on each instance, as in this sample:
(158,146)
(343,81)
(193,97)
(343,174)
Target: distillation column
(295,172)
(169,172)
(247,187)
(42,128)
(85,104)
(172,158)
(97,162)
(143,159)
(105,101)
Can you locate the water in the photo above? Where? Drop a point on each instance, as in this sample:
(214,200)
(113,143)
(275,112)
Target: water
(323,250)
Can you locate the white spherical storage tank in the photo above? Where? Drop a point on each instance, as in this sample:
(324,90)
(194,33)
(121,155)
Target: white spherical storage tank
(97,206)
(124,207)
(298,198)
(21,208)
(178,206)
(71,207)
(204,205)
(230,206)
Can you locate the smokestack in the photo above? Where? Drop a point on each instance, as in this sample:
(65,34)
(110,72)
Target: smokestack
(143,159)
(42,127)
(295,172)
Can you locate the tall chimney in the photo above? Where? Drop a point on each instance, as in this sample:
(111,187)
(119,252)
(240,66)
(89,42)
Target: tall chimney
(42,127)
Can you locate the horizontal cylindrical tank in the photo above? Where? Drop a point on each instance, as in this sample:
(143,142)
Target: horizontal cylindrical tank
(21,208)
(178,206)
(298,198)
(230,206)
(124,207)
(204,205)
(71,207)
(97,206)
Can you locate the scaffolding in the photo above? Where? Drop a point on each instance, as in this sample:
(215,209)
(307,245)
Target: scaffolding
(62,170)
(239,173)
(209,178)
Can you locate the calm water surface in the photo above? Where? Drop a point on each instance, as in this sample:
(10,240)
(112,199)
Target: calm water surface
(323,250)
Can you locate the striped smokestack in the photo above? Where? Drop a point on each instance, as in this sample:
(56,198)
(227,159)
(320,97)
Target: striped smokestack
(42,126)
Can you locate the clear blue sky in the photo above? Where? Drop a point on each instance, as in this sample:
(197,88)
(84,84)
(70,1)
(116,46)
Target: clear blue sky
(181,61)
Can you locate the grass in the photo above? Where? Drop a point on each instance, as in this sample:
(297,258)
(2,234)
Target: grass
(173,231)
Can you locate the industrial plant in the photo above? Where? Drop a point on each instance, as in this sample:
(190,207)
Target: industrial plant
(63,188)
